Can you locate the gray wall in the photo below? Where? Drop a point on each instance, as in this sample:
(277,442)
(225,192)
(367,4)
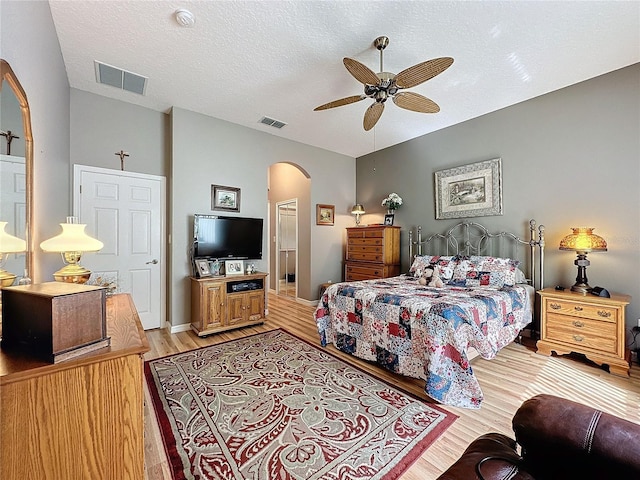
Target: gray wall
(101,126)
(570,158)
(209,151)
(29,43)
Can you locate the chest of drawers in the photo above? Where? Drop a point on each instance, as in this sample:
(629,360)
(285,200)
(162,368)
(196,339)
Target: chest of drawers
(586,324)
(372,252)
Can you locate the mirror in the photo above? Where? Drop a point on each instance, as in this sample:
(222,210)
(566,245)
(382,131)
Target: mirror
(16,169)
(287,219)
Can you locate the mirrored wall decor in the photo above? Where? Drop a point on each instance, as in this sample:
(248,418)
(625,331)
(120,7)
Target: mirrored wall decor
(287,262)
(16,172)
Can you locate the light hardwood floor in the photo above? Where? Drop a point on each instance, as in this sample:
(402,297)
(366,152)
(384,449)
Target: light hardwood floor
(516,374)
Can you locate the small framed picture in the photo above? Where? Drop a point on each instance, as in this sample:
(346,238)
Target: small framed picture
(388,219)
(215,267)
(325,214)
(225,198)
(234,267)
(202,267)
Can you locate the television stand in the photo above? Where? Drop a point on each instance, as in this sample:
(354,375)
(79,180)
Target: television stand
(227,302)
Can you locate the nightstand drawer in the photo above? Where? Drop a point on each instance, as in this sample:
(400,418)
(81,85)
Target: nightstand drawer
(582,310)
(585,333)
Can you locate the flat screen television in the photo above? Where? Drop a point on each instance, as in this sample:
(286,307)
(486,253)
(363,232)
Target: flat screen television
(216,236)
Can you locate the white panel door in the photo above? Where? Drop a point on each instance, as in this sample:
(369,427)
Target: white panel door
(125,211)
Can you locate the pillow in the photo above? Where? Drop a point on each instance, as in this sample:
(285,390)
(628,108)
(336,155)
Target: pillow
(475,270)
(520,276)
(444,263)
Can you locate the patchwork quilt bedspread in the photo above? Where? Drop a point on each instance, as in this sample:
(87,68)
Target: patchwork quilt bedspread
(424,332)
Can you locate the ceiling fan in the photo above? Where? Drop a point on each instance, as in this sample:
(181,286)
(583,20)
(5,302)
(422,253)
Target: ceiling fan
(381,86)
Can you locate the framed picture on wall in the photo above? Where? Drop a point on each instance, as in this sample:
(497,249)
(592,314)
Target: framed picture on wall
(473,190)
(325,214)
(225,198)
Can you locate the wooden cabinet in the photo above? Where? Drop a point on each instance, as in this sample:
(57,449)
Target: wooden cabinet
(372,252)
(80,418)
(245,308)
(586,324)
(208,299)
(223,303)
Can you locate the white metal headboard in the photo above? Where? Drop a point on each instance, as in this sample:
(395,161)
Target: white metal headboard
(470,238)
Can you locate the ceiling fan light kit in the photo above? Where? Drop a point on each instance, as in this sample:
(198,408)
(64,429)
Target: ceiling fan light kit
(380,86)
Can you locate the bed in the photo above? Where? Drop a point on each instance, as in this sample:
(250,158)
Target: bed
(429,332)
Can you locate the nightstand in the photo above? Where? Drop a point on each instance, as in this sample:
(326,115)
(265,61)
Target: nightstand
(586,324)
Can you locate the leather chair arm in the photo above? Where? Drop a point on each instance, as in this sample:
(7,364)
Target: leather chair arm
(492,456)
(565,439)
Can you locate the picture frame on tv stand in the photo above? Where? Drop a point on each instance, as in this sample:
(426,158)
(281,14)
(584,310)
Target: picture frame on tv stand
(202,267)
(234,267)
(216,268)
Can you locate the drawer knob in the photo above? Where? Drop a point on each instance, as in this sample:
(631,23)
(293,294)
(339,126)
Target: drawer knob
(578,323)
(555,306)
(577,309)
(604,313)
(578,338)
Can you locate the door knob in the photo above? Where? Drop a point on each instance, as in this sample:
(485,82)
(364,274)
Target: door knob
(153,262)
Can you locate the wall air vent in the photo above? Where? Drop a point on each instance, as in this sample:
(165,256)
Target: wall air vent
(272,123)
(116,77)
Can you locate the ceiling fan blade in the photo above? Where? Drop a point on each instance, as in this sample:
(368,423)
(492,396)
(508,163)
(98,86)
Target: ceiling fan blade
(361,72)
(372,115)
(422,72)
(341,102)
(415,102)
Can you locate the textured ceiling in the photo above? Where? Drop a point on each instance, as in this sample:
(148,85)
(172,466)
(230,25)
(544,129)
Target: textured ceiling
(243,60)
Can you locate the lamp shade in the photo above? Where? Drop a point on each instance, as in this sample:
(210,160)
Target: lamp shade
(357,209)
(9,243)
(583,240)
(72,239)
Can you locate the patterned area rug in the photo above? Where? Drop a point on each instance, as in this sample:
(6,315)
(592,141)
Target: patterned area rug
(272,406)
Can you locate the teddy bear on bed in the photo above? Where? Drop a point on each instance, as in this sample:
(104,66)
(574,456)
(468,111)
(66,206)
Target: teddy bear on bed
(431,277)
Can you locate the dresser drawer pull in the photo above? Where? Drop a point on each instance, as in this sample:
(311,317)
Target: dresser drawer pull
(604,313)
(577,309)
(578,338)
(578,323)
(555,306)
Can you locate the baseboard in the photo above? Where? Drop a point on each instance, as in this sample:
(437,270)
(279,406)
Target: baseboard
(184,327)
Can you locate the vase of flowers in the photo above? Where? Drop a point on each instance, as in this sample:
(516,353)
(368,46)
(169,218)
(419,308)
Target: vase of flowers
(392,202)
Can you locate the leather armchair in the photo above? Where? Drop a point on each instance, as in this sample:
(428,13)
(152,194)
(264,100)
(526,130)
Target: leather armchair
(555,438)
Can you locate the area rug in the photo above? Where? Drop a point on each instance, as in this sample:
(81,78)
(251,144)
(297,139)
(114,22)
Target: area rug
(272,406)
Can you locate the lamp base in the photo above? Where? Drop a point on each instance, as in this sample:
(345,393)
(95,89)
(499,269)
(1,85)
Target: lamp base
(582,288)
(6,278)
(72,273)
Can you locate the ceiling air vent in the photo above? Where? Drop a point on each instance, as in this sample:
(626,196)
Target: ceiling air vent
(272,122)
(116,77)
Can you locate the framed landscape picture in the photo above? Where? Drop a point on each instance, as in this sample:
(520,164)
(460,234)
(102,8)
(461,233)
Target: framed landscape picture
(225,198)
(473,190)
(325,214)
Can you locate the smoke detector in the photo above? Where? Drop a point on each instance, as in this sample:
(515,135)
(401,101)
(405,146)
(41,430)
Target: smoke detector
(184,18)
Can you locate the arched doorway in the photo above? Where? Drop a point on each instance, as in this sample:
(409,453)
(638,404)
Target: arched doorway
(289,250)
